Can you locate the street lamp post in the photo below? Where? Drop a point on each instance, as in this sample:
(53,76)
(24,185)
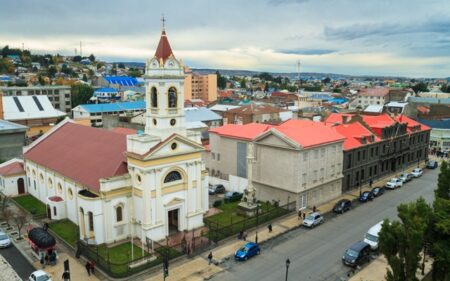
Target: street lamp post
(288,262)
(257,223)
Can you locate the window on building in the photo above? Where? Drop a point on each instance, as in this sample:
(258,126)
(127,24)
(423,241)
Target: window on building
(322,152)
(172,98)
(218,156)
(172,176)
(119,213)
(316,153)
(91,221)
(54,211)
(213,156)
(154,97)
(358,157)
(305,156)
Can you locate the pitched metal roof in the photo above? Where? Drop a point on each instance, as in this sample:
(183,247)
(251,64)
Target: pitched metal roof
(122,80)
(200,114)
(80,153)
(29,107)
(164,51)
(113,107)
(12,167)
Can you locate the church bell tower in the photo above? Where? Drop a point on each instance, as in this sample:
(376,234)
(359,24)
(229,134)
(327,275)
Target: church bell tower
(164,96)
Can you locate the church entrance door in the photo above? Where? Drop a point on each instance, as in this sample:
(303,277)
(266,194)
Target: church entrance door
(173,221)
(20,186)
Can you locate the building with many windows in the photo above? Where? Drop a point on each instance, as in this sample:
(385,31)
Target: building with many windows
(200,86)
(59,96)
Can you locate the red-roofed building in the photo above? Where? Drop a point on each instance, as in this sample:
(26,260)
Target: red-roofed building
(298,159)
(12,177)
(376,146)
(254,113)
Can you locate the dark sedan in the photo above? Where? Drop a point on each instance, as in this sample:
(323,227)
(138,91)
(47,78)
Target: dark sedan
(342,206)
(378,191)
(366,196)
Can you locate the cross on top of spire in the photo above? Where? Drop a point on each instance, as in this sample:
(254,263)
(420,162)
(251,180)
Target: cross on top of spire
(163,20)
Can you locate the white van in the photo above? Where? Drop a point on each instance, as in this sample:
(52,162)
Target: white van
(371,236)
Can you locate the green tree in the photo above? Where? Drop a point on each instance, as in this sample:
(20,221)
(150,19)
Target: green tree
(6,66)
(91,58)
(41,80)
(445,88)
(420,87)
(121,65)
(85,79)
(51,71)
(402,241)
(76,58)
(326,80)
(440,229)
(243,83)
(221,81)
(81,94)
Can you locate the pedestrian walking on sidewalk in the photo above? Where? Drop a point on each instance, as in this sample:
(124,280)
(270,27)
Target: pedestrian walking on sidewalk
(269,227)
(210,257)
(370,183)
(244,236)
(66,276)
(304,215)
(92,266)
(314,208)
(299,214)
(88,268)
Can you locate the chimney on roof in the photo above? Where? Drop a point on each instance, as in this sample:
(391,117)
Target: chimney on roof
(344,119)
(1,106)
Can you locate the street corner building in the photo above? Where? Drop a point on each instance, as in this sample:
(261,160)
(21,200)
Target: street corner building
(297,161)
(115,186)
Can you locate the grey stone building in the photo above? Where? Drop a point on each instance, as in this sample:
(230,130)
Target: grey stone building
(12,140)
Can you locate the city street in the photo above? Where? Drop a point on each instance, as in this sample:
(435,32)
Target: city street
(316,254)
(17,261)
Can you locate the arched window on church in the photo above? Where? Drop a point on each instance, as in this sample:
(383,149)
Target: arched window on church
(172,97)
(119,213)
(154,97)
(172,176)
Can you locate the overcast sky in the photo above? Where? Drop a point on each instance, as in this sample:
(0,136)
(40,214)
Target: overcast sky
(396,37)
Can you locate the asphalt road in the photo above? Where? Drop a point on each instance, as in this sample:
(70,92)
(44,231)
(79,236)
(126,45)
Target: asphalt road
(316,254)
(17,261)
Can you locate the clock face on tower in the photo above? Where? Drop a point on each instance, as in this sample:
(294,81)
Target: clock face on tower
(171,63)
(154,63)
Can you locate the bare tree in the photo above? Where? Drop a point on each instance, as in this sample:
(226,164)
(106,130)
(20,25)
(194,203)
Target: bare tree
(5,212)
(20,218)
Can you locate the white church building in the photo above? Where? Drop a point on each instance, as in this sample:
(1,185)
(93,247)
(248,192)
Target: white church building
(115,186)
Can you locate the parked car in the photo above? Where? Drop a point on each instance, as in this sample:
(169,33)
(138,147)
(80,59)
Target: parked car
(378,191)
(432,164)
(342,206)
(417,172)
(232,196)
(357,254)
(247,251)
(394,183)
(39,275)
(406,177)
(216,189)
(366,196)
(313,220)
(4,240)
(371,237)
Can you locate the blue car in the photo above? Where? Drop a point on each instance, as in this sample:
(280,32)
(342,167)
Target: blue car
(247,251)
(366,196)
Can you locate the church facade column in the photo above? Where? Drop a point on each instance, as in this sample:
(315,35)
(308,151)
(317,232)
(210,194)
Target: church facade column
(189,192)
(199,189)
(147,196)
(159,205)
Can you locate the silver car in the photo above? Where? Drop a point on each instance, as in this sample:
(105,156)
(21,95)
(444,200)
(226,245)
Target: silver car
(313,219)
(4,240)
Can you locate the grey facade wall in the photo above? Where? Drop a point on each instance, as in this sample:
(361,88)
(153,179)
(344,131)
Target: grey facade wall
(223,156)
(391,156)
(11,145)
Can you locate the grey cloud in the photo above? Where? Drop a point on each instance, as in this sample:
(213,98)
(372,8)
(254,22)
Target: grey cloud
(358,31)
(307,51)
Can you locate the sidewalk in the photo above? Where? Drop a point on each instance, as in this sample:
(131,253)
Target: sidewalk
(77,269)
(198,268)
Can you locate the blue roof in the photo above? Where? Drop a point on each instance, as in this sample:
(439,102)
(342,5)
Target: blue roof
(5,78)
(429,100)
(337,100)
(202,114)
(122,80)
(436,124)
(111,107)
(320,96)
(106,90)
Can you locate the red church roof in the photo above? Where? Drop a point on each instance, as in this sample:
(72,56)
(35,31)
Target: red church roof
(83,154)
(164,51)
(11,169)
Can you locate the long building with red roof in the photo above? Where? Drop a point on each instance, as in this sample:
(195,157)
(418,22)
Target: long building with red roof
(378,145)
